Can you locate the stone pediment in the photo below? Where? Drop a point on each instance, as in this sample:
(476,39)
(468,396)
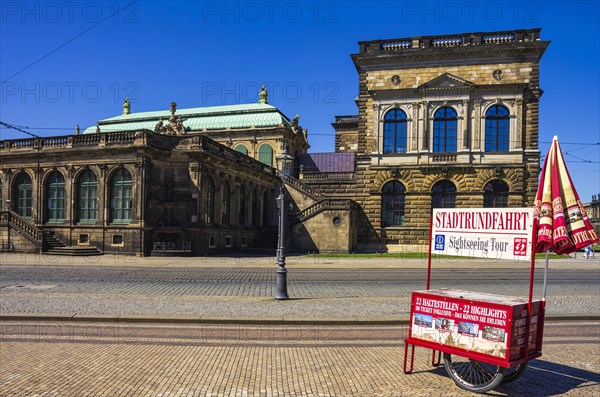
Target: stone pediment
(446,81)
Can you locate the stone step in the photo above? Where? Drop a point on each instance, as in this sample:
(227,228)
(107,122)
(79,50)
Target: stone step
(74,251)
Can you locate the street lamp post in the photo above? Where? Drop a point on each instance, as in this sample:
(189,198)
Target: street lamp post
(284,162)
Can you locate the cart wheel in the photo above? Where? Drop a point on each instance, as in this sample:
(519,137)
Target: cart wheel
(472,375)
(513,373)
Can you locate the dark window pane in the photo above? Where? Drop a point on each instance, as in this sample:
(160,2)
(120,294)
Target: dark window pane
(392,204)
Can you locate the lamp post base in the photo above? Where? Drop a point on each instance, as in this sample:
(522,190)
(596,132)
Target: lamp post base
(281,286)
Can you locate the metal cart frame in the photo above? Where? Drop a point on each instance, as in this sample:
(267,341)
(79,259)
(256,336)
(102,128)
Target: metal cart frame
(481,372)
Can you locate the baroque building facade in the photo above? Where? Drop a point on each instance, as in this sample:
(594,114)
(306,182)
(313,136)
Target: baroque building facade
(442,121)
(137,185)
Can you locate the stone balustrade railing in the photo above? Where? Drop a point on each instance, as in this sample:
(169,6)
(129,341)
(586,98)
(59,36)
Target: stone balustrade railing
(315,176)
(310,192)
(444,158)
(323,205)
(127,138)
(29,231)
(461,40)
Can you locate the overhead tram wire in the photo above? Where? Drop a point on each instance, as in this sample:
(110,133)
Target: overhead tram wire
(12,127)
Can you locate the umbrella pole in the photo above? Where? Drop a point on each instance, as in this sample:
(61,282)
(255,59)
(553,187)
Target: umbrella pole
(545,276)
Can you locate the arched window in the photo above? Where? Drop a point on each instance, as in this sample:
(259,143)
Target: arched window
(55,196)
(209,200)
(443,195)
(87,193)
(242,149)
(444,130)
(394,132)
(226,205)
(495,194)
(243,206)
(496,129)
(265,154)
(23,194)
(392,204)
(120,197)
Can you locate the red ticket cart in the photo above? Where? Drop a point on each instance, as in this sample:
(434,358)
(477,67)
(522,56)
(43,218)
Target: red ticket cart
(486,339)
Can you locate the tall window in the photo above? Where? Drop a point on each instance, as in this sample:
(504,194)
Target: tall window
(495,194)
(120,197)
(242,149)
(87,193)
(265,154)
(443,195)
(243,206)
(226,205)
(444,130)
(394,132)
(392,204)
(1,201)
(496,129)
(23,194)
(209,200)
(55,196)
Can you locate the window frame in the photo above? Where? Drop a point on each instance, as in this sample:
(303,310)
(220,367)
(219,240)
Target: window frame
(87,186)
(447,196)
(55,197)
(393,204)
(493,129)
(397,121)
(491,196)
(444,137)
(262,154)
(121,197)
(241,145)
(24,196)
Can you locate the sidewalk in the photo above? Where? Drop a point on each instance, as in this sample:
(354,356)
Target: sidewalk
(292,262)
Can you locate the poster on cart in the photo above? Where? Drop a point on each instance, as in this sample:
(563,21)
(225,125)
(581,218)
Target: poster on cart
(483,323)
(492,233)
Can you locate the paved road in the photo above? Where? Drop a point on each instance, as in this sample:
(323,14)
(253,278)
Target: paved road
(303,283)
(104,359)
(247,292)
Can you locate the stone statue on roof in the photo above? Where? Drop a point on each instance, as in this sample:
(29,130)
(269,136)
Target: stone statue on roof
(179,126)
(160,128)
(263,95)
(126,106)
(295,126)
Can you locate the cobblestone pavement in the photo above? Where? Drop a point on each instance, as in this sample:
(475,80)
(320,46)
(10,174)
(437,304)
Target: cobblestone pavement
(247,292)
(104,359)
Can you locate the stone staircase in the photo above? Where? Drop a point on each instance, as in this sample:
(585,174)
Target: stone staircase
(42,240)
(53,246)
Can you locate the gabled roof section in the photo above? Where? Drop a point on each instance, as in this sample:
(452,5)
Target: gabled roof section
(199,119)
(446,81)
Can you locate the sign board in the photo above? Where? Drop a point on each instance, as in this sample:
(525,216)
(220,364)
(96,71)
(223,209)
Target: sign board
(485,324)
(493,233)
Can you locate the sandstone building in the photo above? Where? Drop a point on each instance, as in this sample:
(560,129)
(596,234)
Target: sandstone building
(442,121)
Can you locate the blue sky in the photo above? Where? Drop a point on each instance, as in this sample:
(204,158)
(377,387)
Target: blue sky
(73,62)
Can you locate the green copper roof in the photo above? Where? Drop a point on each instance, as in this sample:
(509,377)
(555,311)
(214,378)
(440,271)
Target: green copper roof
(198,119)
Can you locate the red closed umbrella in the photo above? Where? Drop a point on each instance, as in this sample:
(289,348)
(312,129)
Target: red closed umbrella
(563,224)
